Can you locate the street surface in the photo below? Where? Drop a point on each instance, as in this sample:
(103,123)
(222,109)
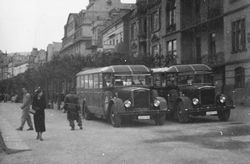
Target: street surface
(203,141)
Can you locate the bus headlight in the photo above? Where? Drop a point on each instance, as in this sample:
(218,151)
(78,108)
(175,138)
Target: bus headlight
(127,103)
(157,103)
(195,101)
(222,99)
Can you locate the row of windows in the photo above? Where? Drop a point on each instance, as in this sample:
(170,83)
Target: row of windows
(156,20)
(90,81)
(114,40)
(155,25)
(171,48)
(238,41)
(96,80)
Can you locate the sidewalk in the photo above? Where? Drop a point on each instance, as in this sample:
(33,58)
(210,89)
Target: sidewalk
(11,138)
(23,146)
(241,114)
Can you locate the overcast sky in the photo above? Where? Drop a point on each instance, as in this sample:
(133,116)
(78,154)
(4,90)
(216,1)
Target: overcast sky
(25,24)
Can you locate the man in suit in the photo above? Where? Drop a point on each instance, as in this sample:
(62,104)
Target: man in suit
(25,110)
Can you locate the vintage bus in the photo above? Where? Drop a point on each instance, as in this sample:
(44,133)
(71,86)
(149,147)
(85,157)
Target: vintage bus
(190,91)
(118,92)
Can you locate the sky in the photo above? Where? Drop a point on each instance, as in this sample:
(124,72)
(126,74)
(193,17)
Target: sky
(27,24)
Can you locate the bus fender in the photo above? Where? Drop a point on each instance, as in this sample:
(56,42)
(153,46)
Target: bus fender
(163,104)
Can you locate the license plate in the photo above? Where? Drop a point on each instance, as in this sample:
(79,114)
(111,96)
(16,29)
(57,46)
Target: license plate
(143,117)
(211,113)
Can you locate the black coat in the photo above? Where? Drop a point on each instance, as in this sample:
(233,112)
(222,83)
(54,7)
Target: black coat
(72,107)
(39,106)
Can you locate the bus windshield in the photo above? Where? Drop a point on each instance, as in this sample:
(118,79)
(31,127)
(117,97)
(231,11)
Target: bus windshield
(138,80)
(195,79)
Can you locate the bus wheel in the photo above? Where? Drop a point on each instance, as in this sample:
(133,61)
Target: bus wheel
(160,119)
(86,113)
(182,116)
(115,120)
(224,115)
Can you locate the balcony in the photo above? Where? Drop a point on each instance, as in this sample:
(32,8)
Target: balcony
(67,41)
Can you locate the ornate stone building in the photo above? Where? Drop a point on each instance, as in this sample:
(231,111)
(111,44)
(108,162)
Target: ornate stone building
(81,30)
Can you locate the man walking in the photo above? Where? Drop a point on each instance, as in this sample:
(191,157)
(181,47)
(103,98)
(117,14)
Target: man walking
(73,110)
(25,110)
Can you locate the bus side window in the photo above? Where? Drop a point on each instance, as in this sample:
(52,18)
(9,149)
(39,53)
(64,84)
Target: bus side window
(82,82)
(95,81)
(163,80)
(86,83)
(107,80)
(91,84)
(157,80)
(100,81)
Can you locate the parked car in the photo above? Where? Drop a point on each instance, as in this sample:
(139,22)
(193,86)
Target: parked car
(190,91)
(118,92)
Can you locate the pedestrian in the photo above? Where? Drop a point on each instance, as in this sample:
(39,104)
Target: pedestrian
(73,110)
(25,110)
(39,105)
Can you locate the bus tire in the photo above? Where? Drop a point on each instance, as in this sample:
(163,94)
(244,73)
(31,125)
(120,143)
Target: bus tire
(115,119)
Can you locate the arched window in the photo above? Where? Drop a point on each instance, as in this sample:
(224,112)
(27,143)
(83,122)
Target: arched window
(239,77)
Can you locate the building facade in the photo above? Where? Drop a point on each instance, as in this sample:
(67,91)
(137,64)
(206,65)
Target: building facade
(20,69)
(236,49)
(155,32)
(115,32)
(3,66)
(81,29)
(32,57)
(53,50)
(41,58)
(77,35)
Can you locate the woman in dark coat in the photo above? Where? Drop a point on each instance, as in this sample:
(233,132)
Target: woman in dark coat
(39,105)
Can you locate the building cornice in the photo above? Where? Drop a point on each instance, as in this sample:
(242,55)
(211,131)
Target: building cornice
(236,10)
(238,62)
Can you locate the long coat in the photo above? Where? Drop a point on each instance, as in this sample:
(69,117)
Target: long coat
(39,105)
(72,107)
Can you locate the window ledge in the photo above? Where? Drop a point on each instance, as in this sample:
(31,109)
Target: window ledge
(239,51)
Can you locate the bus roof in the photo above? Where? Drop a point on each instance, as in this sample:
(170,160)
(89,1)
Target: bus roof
(193,68)
(118,69)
